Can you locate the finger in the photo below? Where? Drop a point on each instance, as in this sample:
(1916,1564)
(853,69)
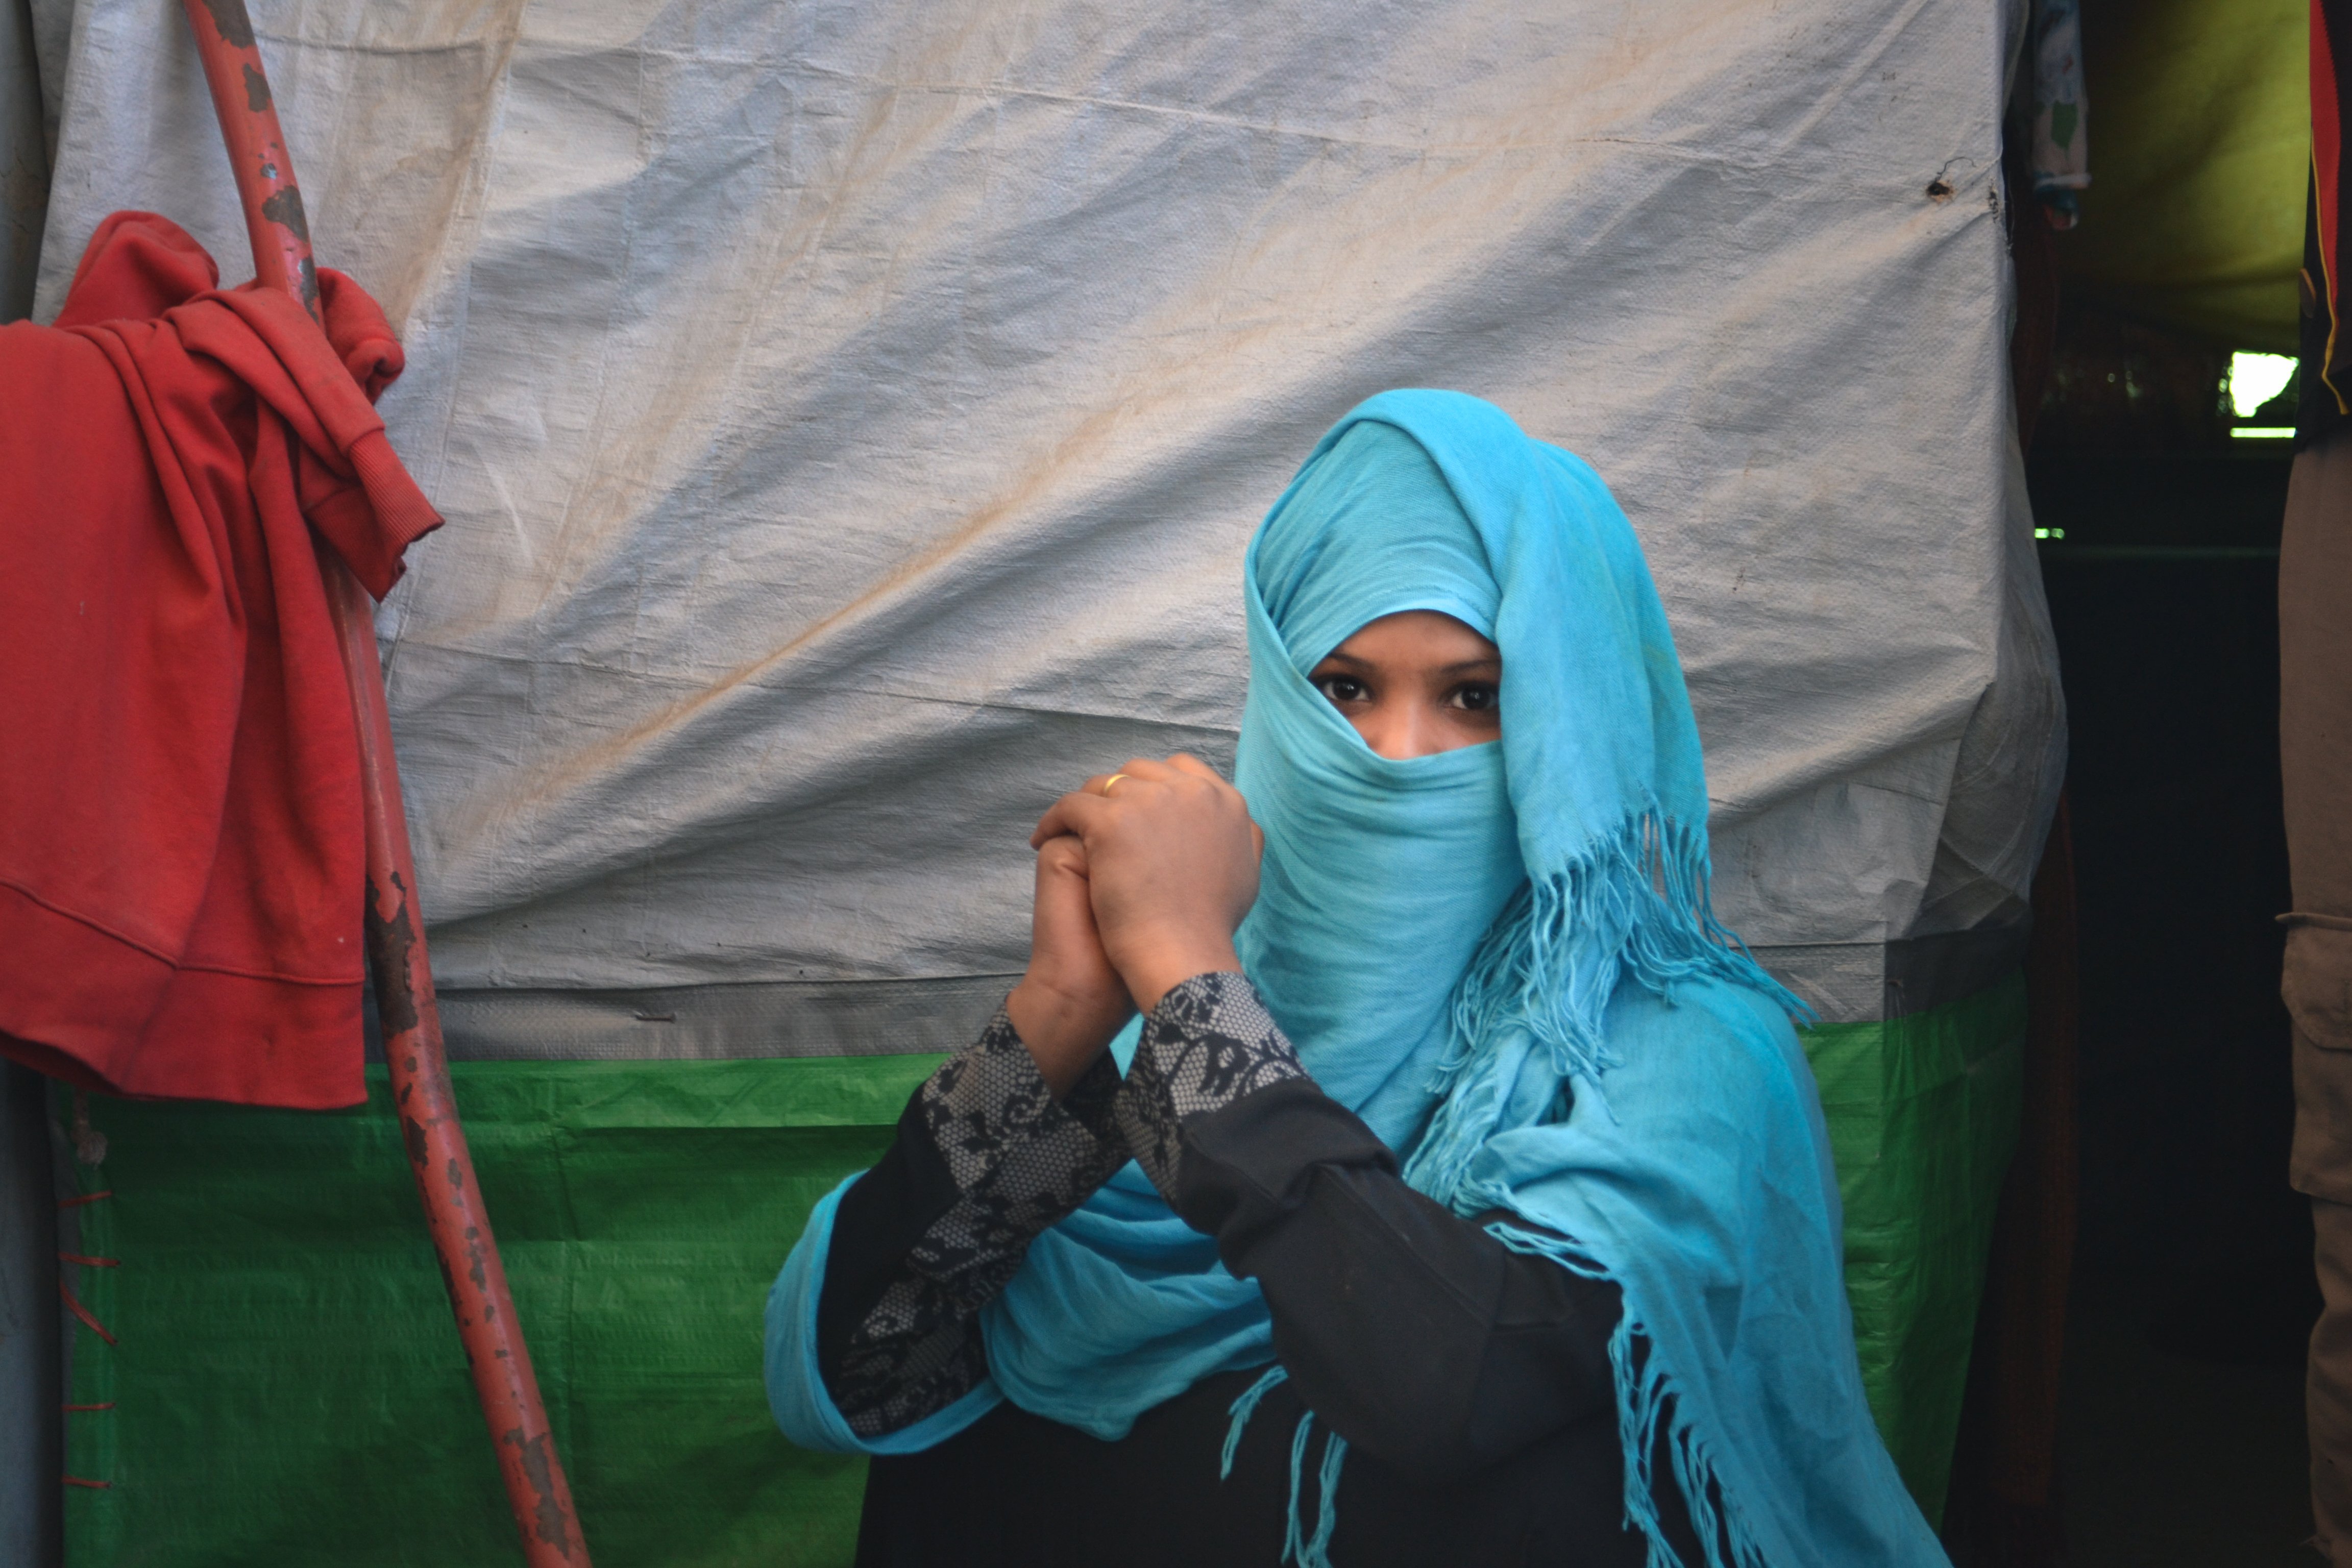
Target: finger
(1074,814)
(1065,816)
(1185,762)
(1064,854)
(1142,769)
(1257,839)
(1192,767)
(1063,893)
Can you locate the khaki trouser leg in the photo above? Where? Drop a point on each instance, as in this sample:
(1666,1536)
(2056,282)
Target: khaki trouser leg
(2328,1388)
(2315,758)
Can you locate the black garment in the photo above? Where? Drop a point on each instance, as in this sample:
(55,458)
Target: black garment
(985,1161)
(1472,1382)
(1016,1491)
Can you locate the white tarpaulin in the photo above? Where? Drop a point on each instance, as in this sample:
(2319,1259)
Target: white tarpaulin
(849,419)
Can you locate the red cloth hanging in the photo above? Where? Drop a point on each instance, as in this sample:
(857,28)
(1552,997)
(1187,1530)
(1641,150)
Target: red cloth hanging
(181,860)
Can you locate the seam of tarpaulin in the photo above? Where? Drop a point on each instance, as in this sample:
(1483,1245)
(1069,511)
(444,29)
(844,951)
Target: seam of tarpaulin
(90,1292)
(1843,982)
(706,1023)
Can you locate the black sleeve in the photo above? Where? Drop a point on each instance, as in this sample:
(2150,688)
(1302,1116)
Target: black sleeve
(985,1158)
(1415,1333)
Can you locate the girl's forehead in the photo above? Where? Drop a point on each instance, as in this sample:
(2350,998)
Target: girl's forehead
(1418,636)
(1371,529)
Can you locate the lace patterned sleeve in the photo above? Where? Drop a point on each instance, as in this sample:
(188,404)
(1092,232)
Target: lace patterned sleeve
(985,1161)
(1209,1042)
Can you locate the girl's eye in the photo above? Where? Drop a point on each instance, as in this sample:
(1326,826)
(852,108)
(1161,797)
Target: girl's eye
(1477,697)
(1343,689)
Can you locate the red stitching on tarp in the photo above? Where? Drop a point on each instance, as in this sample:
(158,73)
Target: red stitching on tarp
(107,1405)
(83,1313)
(89,1262)
(77,1202)
(77,1481)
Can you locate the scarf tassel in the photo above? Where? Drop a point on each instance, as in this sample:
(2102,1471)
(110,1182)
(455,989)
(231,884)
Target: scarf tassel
(1645,1395)
(1298,1546)
(1636,904)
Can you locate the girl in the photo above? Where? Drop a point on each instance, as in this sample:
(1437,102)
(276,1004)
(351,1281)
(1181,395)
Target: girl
(1460,1194)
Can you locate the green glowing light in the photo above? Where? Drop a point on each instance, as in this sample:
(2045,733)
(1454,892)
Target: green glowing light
(2264,432)
(2049,533)
(2255,379)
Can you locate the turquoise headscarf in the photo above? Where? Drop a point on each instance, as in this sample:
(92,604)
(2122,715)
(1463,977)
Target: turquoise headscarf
(1502,958)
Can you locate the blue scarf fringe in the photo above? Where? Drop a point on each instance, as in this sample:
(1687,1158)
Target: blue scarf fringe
(1645,1390)
(1634,906)
(1242,1410)
(1305,1551)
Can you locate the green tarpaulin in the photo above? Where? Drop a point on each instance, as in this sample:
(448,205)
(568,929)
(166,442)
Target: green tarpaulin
(1923,1115)
(284,1387)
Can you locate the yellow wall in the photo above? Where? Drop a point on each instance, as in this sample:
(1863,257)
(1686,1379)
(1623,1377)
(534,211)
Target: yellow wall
(2200,140)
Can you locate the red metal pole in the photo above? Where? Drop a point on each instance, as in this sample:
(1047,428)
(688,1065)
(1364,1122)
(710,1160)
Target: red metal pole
(435,1141)
(257,149)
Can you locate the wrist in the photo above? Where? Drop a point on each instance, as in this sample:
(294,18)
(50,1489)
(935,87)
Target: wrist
(1156,969)
(1064,1033)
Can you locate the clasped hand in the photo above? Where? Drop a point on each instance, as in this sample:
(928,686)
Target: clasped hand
(1137,889)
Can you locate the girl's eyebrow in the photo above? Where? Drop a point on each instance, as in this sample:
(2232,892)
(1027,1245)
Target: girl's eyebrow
(1490,661)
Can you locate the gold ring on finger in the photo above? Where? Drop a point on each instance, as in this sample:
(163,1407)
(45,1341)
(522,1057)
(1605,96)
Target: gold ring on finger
(1110,780)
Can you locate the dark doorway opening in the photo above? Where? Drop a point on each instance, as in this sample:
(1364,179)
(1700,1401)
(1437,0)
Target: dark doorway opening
(2181,1434)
